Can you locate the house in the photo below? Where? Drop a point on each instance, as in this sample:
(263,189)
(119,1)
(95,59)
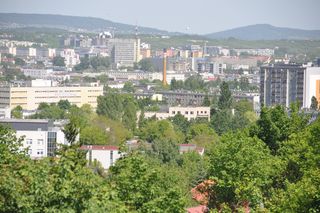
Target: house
(106,155)
(189,148)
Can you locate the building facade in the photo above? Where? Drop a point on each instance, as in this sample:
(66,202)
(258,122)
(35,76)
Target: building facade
(40,137)
(312,85)
(189,113)
(124,52)
(29,97)
(106,155)
(281,84)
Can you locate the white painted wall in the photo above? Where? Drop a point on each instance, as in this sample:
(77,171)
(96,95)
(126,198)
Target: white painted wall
(312,74)
(106,157)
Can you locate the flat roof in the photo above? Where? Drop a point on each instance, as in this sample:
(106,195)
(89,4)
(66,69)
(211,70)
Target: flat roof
(99,147)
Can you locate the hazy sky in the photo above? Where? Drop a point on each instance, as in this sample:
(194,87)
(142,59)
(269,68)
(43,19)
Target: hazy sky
(200,16)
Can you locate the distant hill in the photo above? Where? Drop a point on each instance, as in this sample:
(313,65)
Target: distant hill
(73,23)
(266,32)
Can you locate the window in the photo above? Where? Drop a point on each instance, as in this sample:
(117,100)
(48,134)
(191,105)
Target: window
(29,141)
(186,112)
(191,112)
(40,152)
(111,157)
(52,139)
(173,112)
(30,151)
(40,141)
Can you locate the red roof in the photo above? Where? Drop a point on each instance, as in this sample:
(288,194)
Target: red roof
(99,147)
(198,209)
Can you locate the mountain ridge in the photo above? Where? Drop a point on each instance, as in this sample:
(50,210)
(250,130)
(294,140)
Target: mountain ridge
(92,24)
(265,32)
(73,23)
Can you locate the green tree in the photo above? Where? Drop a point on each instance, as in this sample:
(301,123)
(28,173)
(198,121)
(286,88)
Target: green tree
(17,112)
(64,104)
(194,83)
(225,99)
(161,130)
(71,131)
(110,105)
(129,118)
(19,62)
(129,87)
(221,121)
(94,62)
(298,187)
(146,65)
(275,125)
(242,168)
(167,151)
(84,63)
(202,135)
(206,101)
(58,61)
(176,85)
(46,111)
(314,103)
(180,122)
(143,186)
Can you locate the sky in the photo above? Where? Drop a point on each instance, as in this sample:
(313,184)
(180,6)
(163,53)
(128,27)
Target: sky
(187,16)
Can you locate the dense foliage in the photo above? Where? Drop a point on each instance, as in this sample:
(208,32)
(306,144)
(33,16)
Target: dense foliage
(265,164)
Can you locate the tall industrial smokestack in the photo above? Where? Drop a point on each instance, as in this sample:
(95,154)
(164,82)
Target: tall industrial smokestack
(164,74)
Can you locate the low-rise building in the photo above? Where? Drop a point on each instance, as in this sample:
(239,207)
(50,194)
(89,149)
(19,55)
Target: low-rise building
(105,155)
(188,112)
(41,137)
(183,148)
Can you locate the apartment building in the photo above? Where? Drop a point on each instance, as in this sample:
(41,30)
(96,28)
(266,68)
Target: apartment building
(282,84)
(106,155)
(30,96)
(188,112)
(71,58)
(124,52)
(41,137)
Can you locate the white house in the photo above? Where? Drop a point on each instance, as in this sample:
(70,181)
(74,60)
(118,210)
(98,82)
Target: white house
(106,155)
(188,112)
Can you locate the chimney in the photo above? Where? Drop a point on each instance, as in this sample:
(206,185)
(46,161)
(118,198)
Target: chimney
(164,74)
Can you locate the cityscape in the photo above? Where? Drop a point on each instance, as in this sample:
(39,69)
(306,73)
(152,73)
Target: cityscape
(101,114)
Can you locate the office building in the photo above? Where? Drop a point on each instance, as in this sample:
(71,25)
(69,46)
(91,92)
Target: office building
(124,52)
(41,137)
(30,96)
